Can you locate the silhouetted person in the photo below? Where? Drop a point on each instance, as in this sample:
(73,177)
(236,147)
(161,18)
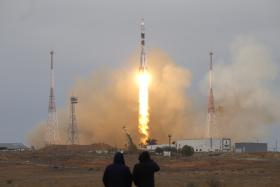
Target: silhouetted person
(117,174)
(143,172)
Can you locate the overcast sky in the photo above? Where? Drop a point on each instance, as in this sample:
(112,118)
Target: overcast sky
(87,35)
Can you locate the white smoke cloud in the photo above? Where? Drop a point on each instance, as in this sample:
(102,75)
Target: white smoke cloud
(244,99)
(108,100)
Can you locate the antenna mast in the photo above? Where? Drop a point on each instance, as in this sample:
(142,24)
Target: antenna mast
(211,105)
(52,134)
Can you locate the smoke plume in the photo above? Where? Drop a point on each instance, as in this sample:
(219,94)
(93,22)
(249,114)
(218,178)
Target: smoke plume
(245,100)
(108,100)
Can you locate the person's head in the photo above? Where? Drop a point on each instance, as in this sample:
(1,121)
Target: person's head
(118,158)
(144,156)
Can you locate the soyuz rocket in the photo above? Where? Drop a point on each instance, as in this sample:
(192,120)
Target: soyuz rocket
(143,63)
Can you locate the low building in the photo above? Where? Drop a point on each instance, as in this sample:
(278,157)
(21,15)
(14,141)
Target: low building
(206,144)
(13,147)
(250,147)
(153,147)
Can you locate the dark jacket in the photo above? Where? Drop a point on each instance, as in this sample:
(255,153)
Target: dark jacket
(117,174)
(143,172)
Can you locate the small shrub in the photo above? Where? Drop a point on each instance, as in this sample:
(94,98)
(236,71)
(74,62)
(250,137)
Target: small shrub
(191,184)
(187,151)
(214,182)
(159,150)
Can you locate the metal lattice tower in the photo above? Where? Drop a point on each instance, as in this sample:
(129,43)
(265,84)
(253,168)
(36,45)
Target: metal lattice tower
(131,147)
(73,128)
(211,106)
(52,134)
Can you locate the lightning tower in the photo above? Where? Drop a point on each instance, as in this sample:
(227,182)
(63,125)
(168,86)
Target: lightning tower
(73,128)
(211,106)
(52,134)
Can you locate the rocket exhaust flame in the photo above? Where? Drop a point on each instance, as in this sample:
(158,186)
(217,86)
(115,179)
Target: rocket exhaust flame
(143,118)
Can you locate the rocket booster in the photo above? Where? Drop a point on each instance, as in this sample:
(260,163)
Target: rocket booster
(143,63)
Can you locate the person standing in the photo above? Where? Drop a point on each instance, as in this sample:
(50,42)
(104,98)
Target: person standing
(143,172)
(117,174)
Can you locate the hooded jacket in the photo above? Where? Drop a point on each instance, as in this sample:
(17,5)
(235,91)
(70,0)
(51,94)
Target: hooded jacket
(117,174)
(143,172)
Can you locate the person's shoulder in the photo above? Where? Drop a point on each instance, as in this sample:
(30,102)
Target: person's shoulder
(137,165)
(109,166)
(126,167)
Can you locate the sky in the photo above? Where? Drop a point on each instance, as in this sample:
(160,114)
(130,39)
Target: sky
(98,34)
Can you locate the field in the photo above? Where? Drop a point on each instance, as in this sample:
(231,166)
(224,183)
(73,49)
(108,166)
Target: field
(73,166)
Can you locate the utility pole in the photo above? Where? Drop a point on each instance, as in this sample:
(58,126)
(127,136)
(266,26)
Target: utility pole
(169,140)
(73,127)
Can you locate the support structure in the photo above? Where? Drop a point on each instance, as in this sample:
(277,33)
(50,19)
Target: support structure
(131,147)
(52,131)
(73,137)
(169,140)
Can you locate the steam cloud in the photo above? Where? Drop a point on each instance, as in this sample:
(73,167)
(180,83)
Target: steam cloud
(243,91)
(108,100)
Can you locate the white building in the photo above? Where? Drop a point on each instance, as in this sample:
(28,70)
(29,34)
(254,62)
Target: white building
(206,144)
(13,147)
(153,147)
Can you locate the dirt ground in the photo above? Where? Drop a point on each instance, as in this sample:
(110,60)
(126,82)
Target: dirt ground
(81,166)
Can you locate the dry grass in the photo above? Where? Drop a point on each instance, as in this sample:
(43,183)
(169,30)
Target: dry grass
(81,166)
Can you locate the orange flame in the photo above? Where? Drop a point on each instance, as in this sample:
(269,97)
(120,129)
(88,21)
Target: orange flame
(143,118)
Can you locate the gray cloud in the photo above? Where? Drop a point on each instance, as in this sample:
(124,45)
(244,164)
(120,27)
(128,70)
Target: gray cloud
(90,35)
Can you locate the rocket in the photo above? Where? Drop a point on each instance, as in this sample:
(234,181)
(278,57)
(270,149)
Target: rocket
(143,63)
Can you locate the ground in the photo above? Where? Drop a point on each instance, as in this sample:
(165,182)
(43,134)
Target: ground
(75,166)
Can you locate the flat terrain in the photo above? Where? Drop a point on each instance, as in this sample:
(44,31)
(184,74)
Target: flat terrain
(73,166)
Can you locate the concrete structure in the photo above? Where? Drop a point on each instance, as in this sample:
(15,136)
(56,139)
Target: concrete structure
(206,144)
(250,147)
(167,153)
(13,147)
